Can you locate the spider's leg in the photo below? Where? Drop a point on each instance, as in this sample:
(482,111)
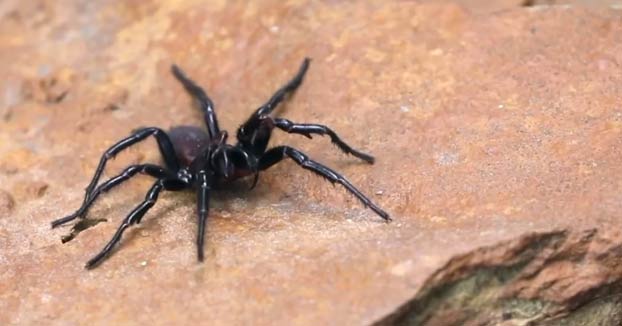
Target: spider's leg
(255,133)
(201,97)
(148,169)
(202,210)
(276,154)
(132,218)
(164,143)
(307,129)
(280,94)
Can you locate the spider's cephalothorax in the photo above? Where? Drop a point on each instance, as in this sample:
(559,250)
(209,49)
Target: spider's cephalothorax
(196,159)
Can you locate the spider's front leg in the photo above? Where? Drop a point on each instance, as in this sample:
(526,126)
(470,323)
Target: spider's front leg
(307,129)
(277,154)
(206,104)
(288,88)
(255,133)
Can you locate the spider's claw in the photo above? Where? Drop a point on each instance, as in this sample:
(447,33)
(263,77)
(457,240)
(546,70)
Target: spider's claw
(92,263)
(365,157)
(99,258)
(385,216)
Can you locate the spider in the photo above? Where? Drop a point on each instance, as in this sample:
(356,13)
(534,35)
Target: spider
(198,160)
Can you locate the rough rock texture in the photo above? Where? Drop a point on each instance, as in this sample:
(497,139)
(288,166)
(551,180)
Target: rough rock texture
(555,278)
(497,128)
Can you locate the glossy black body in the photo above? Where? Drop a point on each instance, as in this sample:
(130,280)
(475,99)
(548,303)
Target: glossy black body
(197,158)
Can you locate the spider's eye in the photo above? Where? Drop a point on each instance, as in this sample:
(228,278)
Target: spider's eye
(242,134)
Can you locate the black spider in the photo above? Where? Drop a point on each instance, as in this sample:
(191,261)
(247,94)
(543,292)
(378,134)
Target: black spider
(198,160)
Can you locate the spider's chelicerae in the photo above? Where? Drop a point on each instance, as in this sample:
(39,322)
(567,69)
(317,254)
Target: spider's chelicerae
(196,159)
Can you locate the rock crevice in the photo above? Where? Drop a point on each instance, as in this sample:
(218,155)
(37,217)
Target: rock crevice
(552,278)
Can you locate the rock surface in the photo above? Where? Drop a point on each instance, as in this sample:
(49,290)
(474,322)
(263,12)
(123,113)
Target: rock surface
(497,131)
(554,278)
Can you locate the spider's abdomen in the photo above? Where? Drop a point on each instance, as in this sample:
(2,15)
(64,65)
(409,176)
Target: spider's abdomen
(189,142)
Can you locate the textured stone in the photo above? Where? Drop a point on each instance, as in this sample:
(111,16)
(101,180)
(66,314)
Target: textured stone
(29,189)
(6,203)
(542,279)
(487,125)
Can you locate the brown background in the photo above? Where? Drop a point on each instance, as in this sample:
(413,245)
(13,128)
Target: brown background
(488,121)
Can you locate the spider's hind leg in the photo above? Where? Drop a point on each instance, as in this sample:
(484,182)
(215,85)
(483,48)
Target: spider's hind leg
(148,169)
(164,143)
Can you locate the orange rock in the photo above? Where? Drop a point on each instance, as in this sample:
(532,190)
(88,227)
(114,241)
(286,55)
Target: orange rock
(6,203)
(493,125)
